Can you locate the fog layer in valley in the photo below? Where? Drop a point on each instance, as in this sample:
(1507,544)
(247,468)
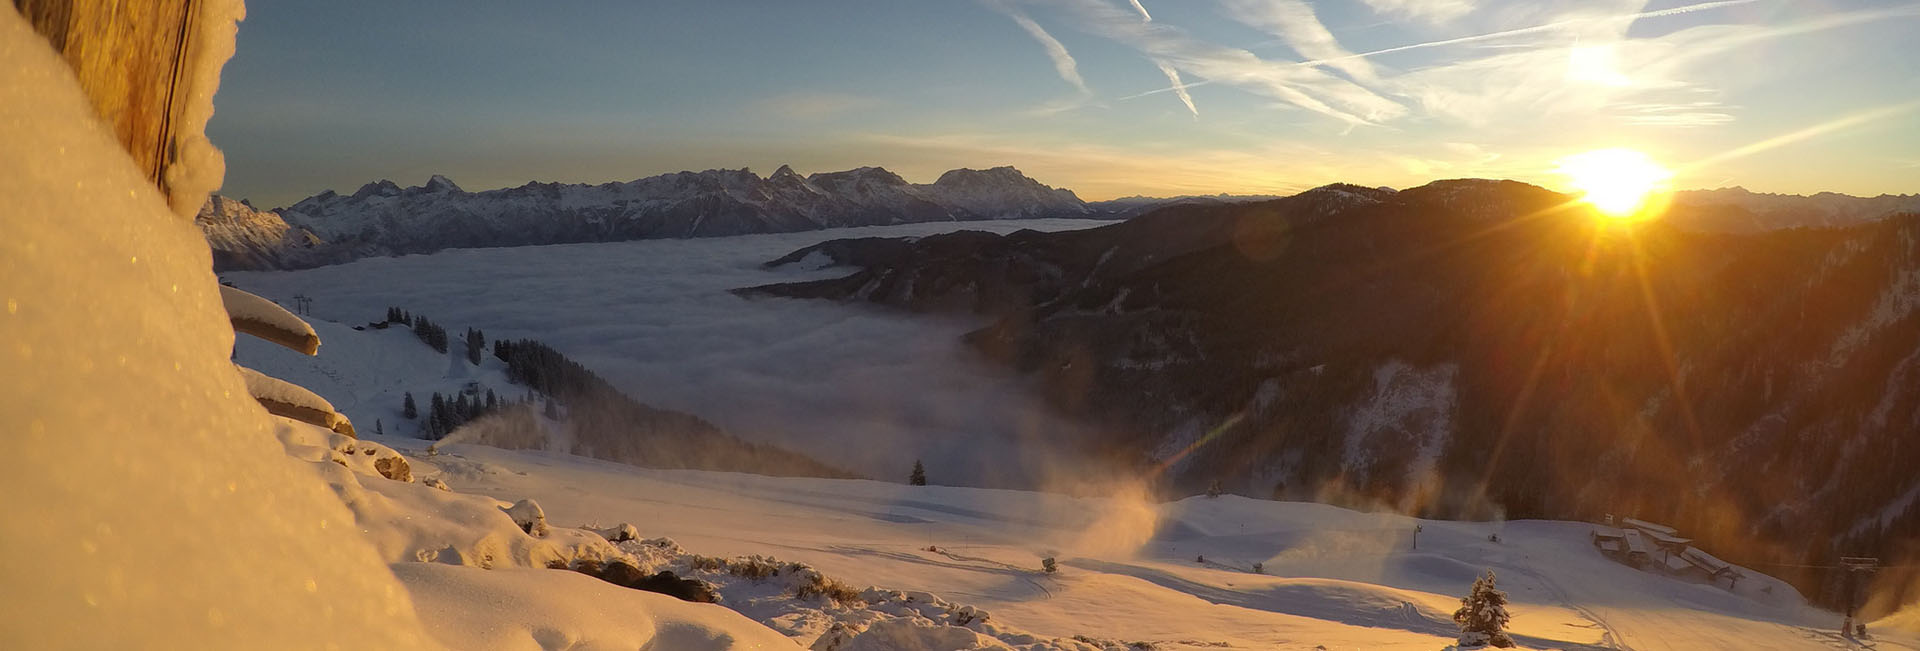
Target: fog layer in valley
(864,388)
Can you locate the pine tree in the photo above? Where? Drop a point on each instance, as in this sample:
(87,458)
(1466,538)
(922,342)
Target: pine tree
(476,344)
(407,409)
(493,402)
(1482,616)
(437,412)
(1213,489)
(919,476)
(552,411)
(378,429)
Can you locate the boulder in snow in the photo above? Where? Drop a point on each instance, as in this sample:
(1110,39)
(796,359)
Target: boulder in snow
(529,516)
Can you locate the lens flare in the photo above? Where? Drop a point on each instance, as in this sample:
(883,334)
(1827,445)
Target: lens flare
(1617,182)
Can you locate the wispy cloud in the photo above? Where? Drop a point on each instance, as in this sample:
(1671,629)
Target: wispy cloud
(1614,19)
(1179,89)
(1437,11)
(1063,62)
(1295,23)
(1311,89)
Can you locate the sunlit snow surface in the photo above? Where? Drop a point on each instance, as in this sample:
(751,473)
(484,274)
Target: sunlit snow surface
(1129,569)
(859,386)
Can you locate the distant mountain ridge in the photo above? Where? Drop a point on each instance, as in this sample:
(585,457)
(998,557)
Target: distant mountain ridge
(382,218)
(1739,210)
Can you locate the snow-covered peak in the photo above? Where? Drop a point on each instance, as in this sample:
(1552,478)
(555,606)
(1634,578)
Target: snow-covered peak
(785,173)
(1005,174)
(859,176)
(438,183)
(1003,193)
(380,188)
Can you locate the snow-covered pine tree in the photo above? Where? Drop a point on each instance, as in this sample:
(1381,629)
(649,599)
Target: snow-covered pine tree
(493,401)
(1482,616)
(919,476)
(407,408)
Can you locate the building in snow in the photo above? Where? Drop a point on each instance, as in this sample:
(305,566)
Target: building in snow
(1646,545)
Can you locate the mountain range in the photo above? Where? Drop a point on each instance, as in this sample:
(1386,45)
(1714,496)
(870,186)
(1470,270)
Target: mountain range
(1472,349)
(382,218)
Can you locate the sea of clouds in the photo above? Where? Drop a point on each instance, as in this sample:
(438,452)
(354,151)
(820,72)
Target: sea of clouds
(860,386)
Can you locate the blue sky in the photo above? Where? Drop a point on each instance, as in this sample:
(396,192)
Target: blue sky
(1273,95)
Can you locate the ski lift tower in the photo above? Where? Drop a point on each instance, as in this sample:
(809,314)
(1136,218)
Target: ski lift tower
(1858,568)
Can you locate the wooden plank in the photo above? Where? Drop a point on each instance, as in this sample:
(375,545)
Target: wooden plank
(129,58)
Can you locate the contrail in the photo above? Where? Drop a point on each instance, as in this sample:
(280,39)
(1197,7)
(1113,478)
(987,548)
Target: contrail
(1063,62)
(1847,122)
(1537,28)
(1716,4)
(1179,88)
(1143,11)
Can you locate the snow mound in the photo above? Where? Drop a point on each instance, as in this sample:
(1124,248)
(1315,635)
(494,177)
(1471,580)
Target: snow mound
(467,608)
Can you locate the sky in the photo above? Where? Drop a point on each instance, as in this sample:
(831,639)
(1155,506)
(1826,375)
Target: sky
(1108,98)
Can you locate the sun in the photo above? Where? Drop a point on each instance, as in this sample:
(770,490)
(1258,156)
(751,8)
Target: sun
(1618,182)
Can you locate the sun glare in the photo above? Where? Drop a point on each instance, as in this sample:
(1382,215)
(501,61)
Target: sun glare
(1617,182)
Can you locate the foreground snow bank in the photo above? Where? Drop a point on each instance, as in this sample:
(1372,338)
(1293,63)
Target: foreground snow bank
(153,503)
(150,505)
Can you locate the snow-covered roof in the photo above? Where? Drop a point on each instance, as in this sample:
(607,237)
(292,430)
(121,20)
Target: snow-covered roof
(1636,544)
(1650,527)
(1707,561)
(1667,540)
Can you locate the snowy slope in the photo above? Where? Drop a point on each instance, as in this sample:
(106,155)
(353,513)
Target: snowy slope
(1334,578)
(245,238)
